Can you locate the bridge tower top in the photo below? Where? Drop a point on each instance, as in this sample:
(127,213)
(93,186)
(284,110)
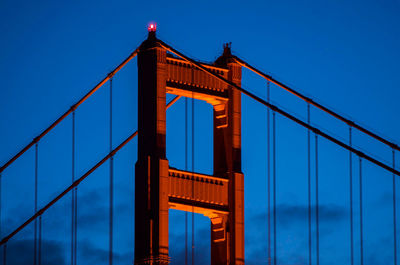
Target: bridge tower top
(158,187)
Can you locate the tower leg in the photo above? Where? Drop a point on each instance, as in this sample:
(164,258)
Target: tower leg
(151,212)
(151,178)
(227,163)
(219,241)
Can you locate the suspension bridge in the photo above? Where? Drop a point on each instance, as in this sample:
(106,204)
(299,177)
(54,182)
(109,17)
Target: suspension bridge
(160,187)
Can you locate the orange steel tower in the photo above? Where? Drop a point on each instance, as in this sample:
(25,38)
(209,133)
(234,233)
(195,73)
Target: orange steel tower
(159,187)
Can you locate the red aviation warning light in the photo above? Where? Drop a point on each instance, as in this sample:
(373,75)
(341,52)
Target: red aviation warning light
(152,27)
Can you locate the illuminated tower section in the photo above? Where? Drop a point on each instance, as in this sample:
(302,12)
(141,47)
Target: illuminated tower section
(228,164)
(151,178)
(159,187)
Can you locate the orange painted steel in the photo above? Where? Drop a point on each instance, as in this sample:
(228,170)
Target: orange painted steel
(317,105)
(284,113)
(175,99)
(197,191)
(158,187)
(69,111)
(76,183)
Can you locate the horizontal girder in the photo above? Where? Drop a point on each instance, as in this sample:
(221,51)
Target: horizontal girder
(185,80)
(199,193)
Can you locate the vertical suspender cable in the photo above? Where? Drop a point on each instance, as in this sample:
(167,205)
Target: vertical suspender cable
(351,199)
(317,197)
(1,218)
(269,175)
(186,168)
(309,184)
(73,191)
(74,195)
(394,212)
(75,224)
(1,227)
(274,179)
(193,176)
(110,255)
(361,219)
(40,241)
(5,254)
(36,195)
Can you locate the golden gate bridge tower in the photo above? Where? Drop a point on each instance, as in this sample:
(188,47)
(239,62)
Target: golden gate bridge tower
(159,187)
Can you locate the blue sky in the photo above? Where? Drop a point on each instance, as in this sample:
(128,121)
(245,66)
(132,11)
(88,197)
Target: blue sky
(343,54)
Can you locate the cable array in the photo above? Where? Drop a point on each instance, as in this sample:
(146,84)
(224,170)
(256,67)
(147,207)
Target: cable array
(73,186)
(37,216)
(70,110)
(281,111)
(318,105)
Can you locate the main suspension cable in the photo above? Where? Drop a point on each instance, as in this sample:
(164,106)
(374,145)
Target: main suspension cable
(74,185)
(62,194)
(70,110)
(319,106)
(280,111)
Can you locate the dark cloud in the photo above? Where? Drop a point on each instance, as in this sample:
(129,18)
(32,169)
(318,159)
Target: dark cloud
(202,248)
(292,234)
(202,256)
(384,200)
(94,209)
(92,216)
(20,252)
(93,213)
(379,252)
(53,252)
(92,255)
(260,258)
(288,215)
